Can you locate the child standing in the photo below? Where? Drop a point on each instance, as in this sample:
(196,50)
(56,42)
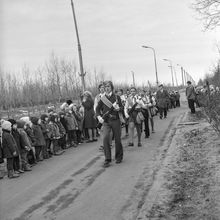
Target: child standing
(9,148)
(17,137)
(45,130)
(39,138)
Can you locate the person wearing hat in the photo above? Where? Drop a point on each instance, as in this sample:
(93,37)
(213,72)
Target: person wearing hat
(44,127)
(162,97)
(39,138)
(109,106)
(191,96)
(17,137)
(25,145)
(9,148)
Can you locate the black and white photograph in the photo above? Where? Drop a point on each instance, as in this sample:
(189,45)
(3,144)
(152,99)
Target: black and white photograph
(110,110)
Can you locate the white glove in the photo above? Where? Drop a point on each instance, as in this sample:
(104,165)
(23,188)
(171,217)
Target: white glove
(115,105)
(126,115)
(138,101)
(100,119)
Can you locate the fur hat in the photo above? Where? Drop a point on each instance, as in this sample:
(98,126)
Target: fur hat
(6,125)
(26,120)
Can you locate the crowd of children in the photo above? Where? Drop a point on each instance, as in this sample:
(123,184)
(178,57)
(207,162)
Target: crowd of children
(29,140)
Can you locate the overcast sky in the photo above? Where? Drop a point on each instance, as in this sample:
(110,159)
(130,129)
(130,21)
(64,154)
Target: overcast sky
(111,33)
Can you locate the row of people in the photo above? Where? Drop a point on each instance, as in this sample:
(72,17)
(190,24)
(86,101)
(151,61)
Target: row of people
(29,140)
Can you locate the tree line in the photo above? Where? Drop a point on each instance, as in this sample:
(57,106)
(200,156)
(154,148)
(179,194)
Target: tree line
(55,81)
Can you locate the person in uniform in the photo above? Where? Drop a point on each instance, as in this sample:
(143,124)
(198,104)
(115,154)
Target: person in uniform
(133,106)
(107,112)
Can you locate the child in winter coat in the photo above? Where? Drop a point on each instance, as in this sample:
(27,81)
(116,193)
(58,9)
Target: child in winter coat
(9,148)
(62,130)
(45,131)
(17,137)
(25,145)
(29,131)
(72,127)
(39,138)
(79,118)
(54,136)
(1,154)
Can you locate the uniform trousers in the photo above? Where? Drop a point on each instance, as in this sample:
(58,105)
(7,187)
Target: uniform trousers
(115,127)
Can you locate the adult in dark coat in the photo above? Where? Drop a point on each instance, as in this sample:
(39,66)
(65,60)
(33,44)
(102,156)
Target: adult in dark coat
(162,97)
(9,148)
(111,123)
(89,115)
(39,138)
(191,96)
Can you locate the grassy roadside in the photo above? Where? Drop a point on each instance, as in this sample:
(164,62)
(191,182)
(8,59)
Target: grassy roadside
(188,183)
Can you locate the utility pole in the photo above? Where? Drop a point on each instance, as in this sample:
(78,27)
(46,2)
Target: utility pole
(82,74)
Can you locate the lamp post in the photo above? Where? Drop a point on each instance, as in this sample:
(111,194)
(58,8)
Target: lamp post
(181,73)
(171,67)
(82,74)
(155,62)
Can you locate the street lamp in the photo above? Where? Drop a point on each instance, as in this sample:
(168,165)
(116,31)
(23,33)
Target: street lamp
(181,73)
(155,62)
(171,67)
(82,74)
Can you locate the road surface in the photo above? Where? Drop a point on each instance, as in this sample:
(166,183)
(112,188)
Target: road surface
(74,186)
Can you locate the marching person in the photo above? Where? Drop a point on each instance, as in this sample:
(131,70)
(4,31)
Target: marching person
(107,112)
(133,107)
(191,96)
(162,97)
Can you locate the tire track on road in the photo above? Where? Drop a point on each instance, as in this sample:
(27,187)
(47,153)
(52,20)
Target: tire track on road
(53,194)
(137,198)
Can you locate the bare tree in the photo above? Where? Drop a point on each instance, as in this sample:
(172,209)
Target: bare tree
(209,12)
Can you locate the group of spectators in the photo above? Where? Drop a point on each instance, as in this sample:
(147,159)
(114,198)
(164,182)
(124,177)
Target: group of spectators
(28,140)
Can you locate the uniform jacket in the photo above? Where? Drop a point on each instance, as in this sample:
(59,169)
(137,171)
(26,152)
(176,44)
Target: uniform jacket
(102,108)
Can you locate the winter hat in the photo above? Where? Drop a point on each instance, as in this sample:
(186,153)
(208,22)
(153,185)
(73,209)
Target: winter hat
(26,120)
(20,123)
(43,117)
(12,121)
(34,120)
(6,125)
(52,118)
(61,113)
(69,102)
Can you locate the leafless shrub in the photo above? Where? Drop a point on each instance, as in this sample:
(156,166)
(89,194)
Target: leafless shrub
(209,12)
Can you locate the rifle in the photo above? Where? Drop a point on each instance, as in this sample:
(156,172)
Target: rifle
(105,116)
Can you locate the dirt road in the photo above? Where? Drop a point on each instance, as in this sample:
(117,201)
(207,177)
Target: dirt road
(74,186)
